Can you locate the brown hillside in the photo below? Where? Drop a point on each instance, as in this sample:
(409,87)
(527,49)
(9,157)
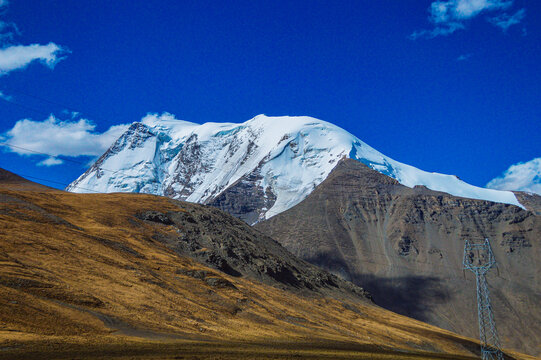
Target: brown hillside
(102,276)
(405,246)
(17,182)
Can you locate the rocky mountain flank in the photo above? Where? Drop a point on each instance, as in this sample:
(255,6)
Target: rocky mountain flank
(228,244)
(222,242)
(405,246)
(530,201)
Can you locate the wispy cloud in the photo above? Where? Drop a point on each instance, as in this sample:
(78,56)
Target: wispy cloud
(59,138)
(17,56)
(71,113)
(520,177)
(464,57)
(504,21)
(452,15)
(7,29)
(5,96)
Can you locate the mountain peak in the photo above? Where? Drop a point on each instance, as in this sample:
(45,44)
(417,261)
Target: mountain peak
(265,165)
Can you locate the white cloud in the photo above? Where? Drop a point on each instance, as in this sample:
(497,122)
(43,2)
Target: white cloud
(153,118)
(60,138)
(50,161)
(520,177)
(19,56)
(466,9)
(504,21)
(451,15)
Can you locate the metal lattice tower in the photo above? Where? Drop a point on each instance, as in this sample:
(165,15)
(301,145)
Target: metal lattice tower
(479,259)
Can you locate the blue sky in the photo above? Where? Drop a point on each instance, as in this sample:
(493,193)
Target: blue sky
(447,86)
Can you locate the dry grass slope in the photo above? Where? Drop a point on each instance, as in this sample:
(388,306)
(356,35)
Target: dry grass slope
(81,276)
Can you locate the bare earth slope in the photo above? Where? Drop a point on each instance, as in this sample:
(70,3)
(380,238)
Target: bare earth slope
(405,246)
(116,276)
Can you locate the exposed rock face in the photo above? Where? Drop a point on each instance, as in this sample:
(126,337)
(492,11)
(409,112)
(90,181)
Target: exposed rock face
(530,201)
(230,245)
(405,246)
(245,199)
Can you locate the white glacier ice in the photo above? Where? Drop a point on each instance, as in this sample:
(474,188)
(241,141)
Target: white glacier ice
(288,155)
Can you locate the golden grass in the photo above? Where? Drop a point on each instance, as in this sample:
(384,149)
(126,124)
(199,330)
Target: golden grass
(80,271)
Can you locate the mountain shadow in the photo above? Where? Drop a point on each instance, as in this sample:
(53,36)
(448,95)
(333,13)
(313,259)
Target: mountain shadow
(413,296)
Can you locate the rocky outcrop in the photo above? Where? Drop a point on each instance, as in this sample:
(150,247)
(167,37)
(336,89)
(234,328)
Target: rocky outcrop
(405,246)
(245,199)
(229,245)
(530,201)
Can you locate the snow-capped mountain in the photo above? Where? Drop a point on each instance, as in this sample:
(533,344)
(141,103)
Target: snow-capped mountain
(265,165)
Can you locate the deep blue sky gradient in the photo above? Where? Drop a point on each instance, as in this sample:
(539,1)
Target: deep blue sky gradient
(349,63)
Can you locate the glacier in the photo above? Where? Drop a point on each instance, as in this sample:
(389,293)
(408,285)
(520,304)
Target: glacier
(284,157)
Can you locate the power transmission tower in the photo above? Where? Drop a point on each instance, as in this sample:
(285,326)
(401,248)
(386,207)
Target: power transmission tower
(479,259)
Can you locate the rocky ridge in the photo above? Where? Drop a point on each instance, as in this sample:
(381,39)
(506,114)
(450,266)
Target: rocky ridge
(228,244)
